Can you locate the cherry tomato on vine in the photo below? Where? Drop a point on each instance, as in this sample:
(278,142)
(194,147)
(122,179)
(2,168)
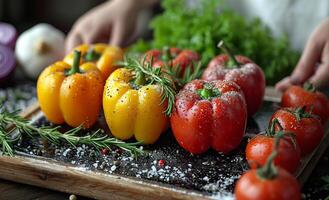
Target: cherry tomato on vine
(306,127)
(252,187)
(261,146)
(315,101)
(268,182)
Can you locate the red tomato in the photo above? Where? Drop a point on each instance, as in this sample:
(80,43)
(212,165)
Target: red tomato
(252,187)
(260,147)
(307,128)
(173,57)
(247,75)
(209,114)
(296,96)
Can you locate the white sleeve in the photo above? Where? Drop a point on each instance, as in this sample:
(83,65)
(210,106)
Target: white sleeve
(295,18)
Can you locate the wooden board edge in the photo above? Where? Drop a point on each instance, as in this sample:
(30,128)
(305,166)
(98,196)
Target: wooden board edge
(76,180)
(272,95)
(30,110)
(312,160)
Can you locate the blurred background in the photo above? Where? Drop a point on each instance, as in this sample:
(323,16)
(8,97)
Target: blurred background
(60,13)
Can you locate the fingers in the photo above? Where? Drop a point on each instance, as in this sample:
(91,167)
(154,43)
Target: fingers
(306,65)
(91,36)
(73,39)
(124,32)
(118,33)
(321,76)
(83,35)
(283,84)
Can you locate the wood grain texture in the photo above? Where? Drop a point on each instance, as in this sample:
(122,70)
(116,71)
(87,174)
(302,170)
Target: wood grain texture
(62,177)
(49,174)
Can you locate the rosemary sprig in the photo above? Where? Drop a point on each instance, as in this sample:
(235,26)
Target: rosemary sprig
(188,75)
(53,135)
(6,143)
(154,76)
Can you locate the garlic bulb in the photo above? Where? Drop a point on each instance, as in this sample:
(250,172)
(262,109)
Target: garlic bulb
(39,47)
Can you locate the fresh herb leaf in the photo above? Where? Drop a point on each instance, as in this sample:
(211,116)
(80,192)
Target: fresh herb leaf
(53,135)
(154,75)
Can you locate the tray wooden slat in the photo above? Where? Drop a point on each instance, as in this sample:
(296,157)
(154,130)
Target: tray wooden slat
(65,178)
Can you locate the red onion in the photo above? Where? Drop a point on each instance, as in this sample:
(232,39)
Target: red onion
(7,35)
(7,62)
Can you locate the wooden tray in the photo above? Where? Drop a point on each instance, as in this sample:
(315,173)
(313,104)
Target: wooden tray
(62,176)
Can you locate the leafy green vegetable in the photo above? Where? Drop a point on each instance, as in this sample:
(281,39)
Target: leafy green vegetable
(202,26)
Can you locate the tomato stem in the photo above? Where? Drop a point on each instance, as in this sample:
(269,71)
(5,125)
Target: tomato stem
(230,54)
(269,170)
(76,62)
(208,92)
(301,112)
(309,87)
(271,129)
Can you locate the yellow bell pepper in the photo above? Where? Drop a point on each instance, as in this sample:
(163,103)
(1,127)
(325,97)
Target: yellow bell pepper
(71,94)
(133,109)
(103,55)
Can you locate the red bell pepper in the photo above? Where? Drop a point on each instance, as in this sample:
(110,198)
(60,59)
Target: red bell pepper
(243,72)
(209,114)
(173,57)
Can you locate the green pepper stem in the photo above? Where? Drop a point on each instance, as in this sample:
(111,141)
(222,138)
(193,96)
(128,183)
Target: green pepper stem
(76,62)
(222,45)
(91,55)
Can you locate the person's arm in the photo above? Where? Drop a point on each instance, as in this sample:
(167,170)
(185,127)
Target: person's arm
(112,22)
(316,52)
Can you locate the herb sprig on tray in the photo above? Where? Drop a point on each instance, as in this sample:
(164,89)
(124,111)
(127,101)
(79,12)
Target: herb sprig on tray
(154,75)
(53,135)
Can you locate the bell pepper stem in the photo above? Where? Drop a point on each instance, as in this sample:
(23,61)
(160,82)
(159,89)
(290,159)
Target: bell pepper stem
(166,54)
(76,62)
(140,78)
(208,92)
(91,55)
(222,45)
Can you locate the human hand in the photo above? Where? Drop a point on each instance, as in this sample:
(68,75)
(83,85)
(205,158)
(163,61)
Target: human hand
(314,62)
(112,22)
